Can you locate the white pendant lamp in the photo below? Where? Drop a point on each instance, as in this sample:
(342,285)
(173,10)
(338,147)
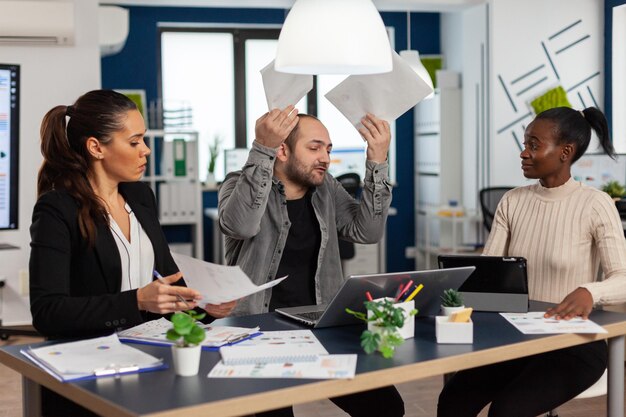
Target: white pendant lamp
(412,57)
(333,37)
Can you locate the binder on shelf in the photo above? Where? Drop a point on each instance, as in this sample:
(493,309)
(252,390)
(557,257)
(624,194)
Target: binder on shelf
(92,358)
(180,157)
(164,202)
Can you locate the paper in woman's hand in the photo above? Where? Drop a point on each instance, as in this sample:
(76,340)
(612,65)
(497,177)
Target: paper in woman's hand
(217,283)
(283,89)
(387,95)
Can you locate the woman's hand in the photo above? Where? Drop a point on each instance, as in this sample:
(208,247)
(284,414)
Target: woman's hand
(160,297)
(220,310)
(577,303)
(377,133)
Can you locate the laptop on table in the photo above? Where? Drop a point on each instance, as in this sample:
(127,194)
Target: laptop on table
(499,283)
(352,295)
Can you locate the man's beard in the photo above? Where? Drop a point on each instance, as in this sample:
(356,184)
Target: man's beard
(299,173)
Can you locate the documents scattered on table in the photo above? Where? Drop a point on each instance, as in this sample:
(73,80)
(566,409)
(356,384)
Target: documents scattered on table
(283,89)
(324,367)
(91,358)
(275,347)
(535,323)
(387,95)
(154,332)
(218,283)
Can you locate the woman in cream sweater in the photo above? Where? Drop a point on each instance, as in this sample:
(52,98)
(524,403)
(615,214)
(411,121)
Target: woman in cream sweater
(567,231)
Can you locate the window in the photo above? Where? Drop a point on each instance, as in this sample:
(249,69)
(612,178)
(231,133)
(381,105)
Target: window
(214,74)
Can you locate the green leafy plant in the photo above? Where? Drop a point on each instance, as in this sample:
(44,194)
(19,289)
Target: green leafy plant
(387,320)
(614,189)
(185,330)
(451,298)
(214,151)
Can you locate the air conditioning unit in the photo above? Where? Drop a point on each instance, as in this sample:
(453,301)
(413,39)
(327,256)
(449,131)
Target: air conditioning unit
(36,22)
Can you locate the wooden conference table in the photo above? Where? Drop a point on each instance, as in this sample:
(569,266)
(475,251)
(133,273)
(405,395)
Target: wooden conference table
(163,394)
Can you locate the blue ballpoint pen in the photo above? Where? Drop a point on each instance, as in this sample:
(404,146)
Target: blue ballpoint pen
(160,278)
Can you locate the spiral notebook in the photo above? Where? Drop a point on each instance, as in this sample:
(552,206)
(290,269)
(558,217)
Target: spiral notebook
(275,347)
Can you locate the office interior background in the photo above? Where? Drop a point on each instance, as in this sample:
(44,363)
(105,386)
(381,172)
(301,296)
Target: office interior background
(497,54)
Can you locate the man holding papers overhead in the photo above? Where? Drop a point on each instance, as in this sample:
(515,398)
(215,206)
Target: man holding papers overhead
(282,215)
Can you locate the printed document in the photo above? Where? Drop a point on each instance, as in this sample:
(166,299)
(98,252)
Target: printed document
(324,367)
(535,323)
(154,332)
(275,347)
(218,283)
(387,95)
(283,89)
(92,357)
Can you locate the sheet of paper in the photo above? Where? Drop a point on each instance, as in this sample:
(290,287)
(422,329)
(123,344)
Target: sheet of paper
(387,95)
(294,338)
(535,323)
(218,283)
(282,89)
(325,367)
(155,331)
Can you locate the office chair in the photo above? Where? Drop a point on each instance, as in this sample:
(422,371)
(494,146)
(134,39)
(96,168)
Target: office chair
(596,390)
(352,183)
(489,199)
(8,331)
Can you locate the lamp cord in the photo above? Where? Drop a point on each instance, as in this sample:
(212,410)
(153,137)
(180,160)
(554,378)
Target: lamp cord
(408,30)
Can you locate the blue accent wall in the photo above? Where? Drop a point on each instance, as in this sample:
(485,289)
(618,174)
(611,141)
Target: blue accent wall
(608,58)
(135,67)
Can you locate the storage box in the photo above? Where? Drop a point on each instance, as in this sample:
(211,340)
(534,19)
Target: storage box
(408,330)
(451,332)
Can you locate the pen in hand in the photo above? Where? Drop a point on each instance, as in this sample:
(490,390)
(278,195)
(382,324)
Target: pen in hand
(180,297)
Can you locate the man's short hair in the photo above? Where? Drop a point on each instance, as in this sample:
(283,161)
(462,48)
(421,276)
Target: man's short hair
(293,136)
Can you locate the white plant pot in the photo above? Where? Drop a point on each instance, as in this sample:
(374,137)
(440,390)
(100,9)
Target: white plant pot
(186,360)
(446,311)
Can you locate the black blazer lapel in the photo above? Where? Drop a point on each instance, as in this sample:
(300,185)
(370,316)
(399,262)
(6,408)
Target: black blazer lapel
(109,259)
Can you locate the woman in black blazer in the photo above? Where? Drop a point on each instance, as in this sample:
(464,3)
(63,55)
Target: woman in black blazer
(95,236)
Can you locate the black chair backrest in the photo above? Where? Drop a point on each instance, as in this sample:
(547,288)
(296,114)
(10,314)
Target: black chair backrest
(489,199)
(352,183)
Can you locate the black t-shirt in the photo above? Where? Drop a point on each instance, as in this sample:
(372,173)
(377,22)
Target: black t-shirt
(299,259)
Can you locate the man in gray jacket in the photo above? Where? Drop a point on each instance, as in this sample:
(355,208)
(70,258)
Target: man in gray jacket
(283,213)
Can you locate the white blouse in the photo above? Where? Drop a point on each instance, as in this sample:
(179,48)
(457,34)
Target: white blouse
(137,256)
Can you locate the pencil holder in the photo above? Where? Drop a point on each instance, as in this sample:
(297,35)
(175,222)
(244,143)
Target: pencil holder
(407,331)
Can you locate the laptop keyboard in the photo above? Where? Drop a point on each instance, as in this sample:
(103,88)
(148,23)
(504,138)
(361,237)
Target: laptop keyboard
(311,315)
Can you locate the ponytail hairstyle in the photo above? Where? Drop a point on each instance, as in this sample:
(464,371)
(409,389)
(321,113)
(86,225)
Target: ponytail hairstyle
(67,163)
(574,126)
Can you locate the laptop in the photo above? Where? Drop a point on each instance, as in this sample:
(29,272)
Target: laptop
(352,295)
(499,283)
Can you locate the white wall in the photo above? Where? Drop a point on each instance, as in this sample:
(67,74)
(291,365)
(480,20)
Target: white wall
(50,75)
(530,42)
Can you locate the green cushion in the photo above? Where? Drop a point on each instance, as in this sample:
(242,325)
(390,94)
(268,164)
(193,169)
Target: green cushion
(555,97)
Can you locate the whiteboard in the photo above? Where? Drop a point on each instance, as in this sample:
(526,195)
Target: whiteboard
(597,170)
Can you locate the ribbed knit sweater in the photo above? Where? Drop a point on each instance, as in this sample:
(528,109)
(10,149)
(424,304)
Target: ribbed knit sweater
(566,234)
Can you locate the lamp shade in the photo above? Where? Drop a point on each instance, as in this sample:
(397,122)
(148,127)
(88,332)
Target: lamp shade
(333,37)
(413,59)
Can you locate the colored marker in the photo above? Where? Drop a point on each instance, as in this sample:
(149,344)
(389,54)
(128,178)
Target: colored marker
(414,293)
(408,285)
(369,296)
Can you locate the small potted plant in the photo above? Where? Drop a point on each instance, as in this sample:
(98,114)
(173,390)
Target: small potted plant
(451,301)
(385,319)
(614,189)
(214,151)
(187,336)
